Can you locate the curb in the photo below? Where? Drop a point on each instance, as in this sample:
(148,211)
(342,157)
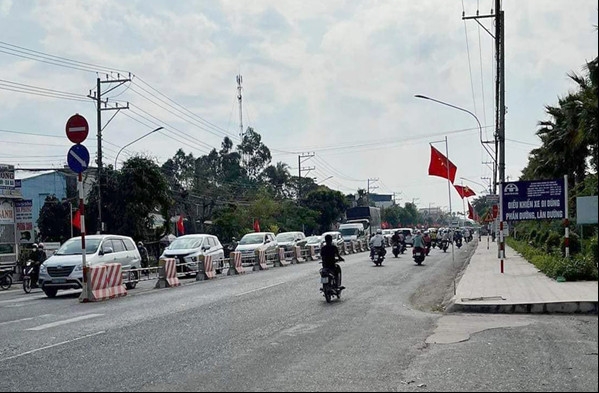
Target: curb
(575,307)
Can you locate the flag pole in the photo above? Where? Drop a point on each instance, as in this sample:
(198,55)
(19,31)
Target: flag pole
(450,211)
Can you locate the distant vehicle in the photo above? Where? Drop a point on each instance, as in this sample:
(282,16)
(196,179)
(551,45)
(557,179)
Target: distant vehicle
(408,234)
(369,216)
(288,240)
(189,250)
(251,242)
(388,234)
(352,231)
(315,241)
(63,269)
(337,238)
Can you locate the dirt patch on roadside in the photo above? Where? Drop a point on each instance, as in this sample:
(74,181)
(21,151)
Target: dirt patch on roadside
(438,291)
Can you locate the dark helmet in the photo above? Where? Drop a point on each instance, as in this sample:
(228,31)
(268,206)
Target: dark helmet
(328,239)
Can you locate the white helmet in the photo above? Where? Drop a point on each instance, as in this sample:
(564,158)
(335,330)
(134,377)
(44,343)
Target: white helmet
(379,231)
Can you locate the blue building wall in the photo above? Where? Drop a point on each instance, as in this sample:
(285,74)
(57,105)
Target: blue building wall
(37,188)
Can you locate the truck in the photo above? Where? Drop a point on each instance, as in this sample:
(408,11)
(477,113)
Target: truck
(369,216)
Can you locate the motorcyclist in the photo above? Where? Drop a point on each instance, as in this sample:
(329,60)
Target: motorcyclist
(395,239)
(329,254)
(426,238)
(38,256)
(376,242)
(418,241)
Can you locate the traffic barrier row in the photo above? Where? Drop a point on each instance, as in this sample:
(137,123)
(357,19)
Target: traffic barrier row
(206,271)
(104,282)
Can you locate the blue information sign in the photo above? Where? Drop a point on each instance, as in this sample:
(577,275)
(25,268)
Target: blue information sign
(533,200)
(78,158)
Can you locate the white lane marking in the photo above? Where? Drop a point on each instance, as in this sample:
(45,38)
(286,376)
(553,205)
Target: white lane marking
(66,321)
(23,299)
(259,289)
(51,346)
(24,319)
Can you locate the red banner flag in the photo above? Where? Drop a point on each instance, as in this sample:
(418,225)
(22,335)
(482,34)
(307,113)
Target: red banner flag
(438,166)
(180,225)
(77,220)
(256,225)
(464,191)
(471,212)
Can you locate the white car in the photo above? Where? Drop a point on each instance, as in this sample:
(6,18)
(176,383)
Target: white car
(188,250)
(63,270)
(253,241)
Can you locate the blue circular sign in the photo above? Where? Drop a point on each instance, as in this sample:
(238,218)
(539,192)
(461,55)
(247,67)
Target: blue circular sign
(78,158)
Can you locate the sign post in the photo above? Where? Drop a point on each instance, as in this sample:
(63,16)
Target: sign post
(77,130)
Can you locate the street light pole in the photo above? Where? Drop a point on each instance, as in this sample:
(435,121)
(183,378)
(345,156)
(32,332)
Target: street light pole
(323,180)
(130,143)
(480,128)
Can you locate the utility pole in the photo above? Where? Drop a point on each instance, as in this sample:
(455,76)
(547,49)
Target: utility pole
(97,96)
(300,159)
(369,188)
(239,98)
(499,38)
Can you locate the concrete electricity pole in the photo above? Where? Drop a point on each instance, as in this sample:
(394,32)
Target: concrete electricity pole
(300,159)
(97,96)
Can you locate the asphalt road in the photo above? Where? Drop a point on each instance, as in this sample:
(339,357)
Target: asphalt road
(273,331)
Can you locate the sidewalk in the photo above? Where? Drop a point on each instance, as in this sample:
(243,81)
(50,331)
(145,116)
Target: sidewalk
(522,288)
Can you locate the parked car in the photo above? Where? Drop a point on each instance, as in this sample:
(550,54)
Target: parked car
(316,241)
(337,238)
(251,242)
(288,240)
(188,250)
(408,234)
(63,270)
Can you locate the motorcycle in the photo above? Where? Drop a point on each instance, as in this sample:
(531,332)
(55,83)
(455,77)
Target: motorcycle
(444,245)
(379,255)
(6,278)
(28,273)
(330,287)
(458,242)
(427,248)
(418,253)
(396,249)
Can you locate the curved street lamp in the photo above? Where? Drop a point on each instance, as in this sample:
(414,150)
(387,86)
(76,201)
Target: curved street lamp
(130,143)
(323,180)
(480,184)
(479,127)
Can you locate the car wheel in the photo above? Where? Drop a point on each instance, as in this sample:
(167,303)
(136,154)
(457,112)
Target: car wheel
(50,292)
(133,278)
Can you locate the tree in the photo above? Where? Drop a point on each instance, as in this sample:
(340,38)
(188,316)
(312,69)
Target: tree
(257,155)
(330,206)
(54,220)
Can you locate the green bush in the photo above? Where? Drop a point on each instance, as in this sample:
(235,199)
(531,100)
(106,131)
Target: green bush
(593,249)
(552,242)
(577,267)
(532,236)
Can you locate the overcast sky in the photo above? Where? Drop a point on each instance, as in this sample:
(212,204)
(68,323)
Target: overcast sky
(335,78)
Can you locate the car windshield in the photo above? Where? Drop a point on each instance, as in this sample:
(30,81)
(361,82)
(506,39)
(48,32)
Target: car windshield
(313,239)
(73,246)
(286,237)
(252,239)
(349,231)
(182,243)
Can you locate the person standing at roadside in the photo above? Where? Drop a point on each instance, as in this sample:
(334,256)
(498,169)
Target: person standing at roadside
(145,260)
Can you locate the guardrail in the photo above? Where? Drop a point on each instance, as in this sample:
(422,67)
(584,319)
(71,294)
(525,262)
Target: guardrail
(236,263)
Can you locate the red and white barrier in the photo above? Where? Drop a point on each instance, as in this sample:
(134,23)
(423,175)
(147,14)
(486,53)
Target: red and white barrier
(167,275)
(114,280)
(343,250)
(297,254)
(206,271)
(313,255)
(235,266)
(281,260)
(260,261)
(105,282)
(352,247)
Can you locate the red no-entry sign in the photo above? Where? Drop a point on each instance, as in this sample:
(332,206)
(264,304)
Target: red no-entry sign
(77,128)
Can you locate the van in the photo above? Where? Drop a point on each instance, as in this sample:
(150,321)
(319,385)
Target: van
(188,250)
(352,231)
(63,270)
(251,242)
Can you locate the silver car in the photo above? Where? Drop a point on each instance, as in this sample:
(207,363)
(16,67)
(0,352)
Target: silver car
(63,270)
(189,250)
